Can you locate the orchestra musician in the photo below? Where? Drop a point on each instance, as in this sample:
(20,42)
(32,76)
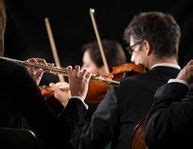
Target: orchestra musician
(92,61)
(169,121)
(154,41)
(20,96)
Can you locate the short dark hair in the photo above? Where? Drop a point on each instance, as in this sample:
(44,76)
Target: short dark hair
(113,50)
(159,29)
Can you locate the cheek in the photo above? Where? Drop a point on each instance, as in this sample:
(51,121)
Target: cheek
(90,68)
(132,58)
(136,59)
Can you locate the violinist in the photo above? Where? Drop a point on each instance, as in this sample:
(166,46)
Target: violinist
(20,96)
(92,61)
(153,39)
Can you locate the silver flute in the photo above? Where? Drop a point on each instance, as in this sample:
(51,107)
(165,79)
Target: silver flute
(56,70)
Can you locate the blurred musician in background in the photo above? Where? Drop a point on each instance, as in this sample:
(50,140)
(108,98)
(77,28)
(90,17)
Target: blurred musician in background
(93,63)
(92,60)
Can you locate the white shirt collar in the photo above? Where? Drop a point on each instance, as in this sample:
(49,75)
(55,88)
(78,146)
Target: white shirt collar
(167,65)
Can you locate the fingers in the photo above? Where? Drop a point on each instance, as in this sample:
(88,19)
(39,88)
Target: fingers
(189,70)
(60,85)
(86,75)
(50,64)
(61,94)
(189,67)
(78,72)
(69,70)
(32,60)
(190,62)
(186,73)
(38,61)
(81,73)
(37,72)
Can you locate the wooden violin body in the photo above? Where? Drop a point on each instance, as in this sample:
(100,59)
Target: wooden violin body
(138,136)
(97,90)
(125,70)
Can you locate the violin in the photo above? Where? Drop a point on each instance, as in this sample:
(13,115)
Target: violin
(128,69)
(97,90)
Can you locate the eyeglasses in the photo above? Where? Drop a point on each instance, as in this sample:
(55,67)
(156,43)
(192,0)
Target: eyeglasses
(130,48)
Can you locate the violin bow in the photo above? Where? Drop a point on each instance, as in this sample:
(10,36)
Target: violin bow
(92,11)
(53,47)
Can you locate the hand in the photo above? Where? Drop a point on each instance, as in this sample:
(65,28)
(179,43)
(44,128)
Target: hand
(37,73)
(186,73)
(61,92)
(79,81)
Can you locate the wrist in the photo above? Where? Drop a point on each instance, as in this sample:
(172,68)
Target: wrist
(179,81)
(82,99)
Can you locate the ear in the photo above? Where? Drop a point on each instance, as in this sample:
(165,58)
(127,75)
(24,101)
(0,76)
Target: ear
(147,47)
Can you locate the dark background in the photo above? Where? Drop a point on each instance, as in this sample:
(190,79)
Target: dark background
(26,35)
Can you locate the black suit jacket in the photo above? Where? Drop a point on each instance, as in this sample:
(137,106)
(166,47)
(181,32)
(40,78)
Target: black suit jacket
(20,96)
(170,120)
(121,109)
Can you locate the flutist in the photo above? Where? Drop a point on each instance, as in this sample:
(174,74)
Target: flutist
(20,98)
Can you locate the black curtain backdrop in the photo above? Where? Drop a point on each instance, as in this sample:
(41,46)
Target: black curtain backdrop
(26,34)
